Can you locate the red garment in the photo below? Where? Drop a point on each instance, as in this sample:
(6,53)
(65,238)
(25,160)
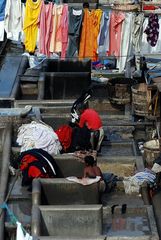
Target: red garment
(91,119)
(65,136)
(35,172)
(26,160)
(149,7)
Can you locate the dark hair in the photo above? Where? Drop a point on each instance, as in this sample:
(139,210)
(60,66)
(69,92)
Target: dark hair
(82,107)
(89,160)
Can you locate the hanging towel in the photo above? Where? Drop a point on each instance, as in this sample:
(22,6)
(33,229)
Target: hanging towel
(152,30)
(19,233)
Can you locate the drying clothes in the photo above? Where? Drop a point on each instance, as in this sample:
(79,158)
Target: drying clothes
(38,135)
(30,27)
(75,23)
(152,30)
(2,9)
(89,34)
(96,19)
(116,20)
(126,41)
(45,27)
(55,43)
(136,37)
(84,181)
(64,30)
(103,37)
(133,183)
(146,48)
(20,235)
(13,19)
(1,31)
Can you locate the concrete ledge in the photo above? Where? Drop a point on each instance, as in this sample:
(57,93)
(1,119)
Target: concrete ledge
(64,192)
(67,221)
(73,238)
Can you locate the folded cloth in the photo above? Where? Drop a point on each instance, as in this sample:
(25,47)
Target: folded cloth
(84,181)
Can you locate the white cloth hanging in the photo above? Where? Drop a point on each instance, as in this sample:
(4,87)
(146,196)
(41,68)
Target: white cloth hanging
(126,41)
(20,235)
(13,19)
(1,31)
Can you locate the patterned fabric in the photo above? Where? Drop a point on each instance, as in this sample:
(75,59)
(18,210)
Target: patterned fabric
(152,30)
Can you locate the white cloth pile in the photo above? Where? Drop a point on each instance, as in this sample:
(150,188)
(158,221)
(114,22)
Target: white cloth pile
(132,184)
(38,135)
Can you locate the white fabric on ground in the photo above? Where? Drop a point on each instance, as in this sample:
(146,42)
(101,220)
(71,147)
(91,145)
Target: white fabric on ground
(84,181)
(38,135)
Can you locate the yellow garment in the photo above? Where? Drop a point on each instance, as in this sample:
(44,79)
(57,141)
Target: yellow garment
(30,27)
(90,30)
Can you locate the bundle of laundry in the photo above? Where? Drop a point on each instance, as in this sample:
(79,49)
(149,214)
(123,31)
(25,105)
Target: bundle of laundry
(37,163)
(132,184)
(38,135)
(157,165)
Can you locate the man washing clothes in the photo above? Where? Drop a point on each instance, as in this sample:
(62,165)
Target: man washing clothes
(91,119)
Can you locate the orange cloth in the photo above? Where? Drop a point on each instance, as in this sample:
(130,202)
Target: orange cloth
(90,30)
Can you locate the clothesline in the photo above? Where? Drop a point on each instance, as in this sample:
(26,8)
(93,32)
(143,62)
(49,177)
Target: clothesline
(101,57)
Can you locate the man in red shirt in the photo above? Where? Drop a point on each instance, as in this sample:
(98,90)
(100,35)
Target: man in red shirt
(91,119)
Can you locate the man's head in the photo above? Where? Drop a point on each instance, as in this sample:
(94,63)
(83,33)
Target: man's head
(81,107)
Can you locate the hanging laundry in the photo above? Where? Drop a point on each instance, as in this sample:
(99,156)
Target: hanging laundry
(146,47)
(103,37)
(45,27)
(30,27)
(1,31)
(75,23)
(126,50)
(2,15)
(13,19)
(20,235)
(136,37)
(64,30)
(116,20)
(38,135)
(2,9)
(89,34)
(152,30)
(55,42)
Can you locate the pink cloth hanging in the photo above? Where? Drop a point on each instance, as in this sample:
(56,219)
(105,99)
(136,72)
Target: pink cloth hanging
(45,26)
